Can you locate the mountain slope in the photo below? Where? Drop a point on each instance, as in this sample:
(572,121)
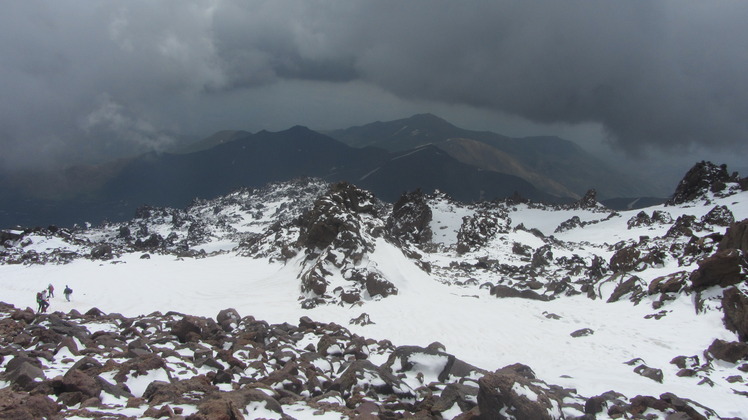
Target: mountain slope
(221,137)
(550,160)
(490,158)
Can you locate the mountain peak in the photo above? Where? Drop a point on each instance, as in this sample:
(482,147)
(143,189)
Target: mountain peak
(428,121)
(426,117)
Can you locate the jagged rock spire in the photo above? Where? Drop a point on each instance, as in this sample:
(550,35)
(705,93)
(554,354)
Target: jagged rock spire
(701,179)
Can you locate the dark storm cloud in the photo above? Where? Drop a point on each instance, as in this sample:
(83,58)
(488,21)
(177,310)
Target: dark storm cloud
(82,80)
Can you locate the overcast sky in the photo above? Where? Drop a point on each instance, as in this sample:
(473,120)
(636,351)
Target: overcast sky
(87,80)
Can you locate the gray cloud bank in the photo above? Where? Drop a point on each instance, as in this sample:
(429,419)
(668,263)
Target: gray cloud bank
(84,80)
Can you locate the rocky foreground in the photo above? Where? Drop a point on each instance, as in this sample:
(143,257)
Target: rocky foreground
(172,365)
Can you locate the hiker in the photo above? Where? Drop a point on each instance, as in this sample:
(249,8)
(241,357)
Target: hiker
(51,290)
(41,299)
(67,292)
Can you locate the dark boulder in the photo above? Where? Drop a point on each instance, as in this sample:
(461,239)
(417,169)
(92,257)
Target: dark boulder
(721,269)
(22,406)
(88,365)
(186,391)
(154,242)
(157,413)
(632,286)
(139,365)
(455,393)
(377,285)
(582,333)
(410,219)
(651,373)
(728,351)
(684,225)
(686,362)
(735,307)
(502,291)
(625,259)
(661,217)
(186,329)
(362,319)
(24,371)
(736,237)
(641,219)
(228,319)
(718,216)
(365,376)
(313,281)
(229,405)
(102,252)
(112,389)
(671,283)
(75,381)
(408,359)
(542,257)
(511,392)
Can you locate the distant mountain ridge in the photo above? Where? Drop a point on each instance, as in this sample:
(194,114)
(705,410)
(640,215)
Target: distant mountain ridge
(253,160)
(388,158)
(554,165)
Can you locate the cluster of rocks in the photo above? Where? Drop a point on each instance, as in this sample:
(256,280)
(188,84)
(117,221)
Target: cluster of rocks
(477,230)
(705,179)
(409,221)
(658,217)
(174,365)
(575,222)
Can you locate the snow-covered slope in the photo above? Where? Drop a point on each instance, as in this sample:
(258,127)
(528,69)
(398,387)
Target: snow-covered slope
(590,299)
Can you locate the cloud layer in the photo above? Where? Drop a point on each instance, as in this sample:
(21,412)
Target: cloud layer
(84,80)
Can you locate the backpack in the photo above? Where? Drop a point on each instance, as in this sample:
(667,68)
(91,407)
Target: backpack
(39,297)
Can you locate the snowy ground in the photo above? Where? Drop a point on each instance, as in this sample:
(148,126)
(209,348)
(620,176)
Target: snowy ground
(476,327)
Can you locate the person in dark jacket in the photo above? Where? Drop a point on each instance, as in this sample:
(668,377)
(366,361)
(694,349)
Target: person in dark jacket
(67,292)
(41,299)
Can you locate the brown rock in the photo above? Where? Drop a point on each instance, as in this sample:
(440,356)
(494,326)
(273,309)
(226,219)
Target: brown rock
(721,269)
(671,283)
(228,405)
(186,329)
(77,381)
(651,373)
(227,317)
(497,397)
(735,307)
(20,405)
(736,237)
(625,259)
(631,286)
(384,382)
(410,219)
(157,413)
(582,332)
(502,291)
(378,285)
(23,371)
(728,351)
(188,391)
